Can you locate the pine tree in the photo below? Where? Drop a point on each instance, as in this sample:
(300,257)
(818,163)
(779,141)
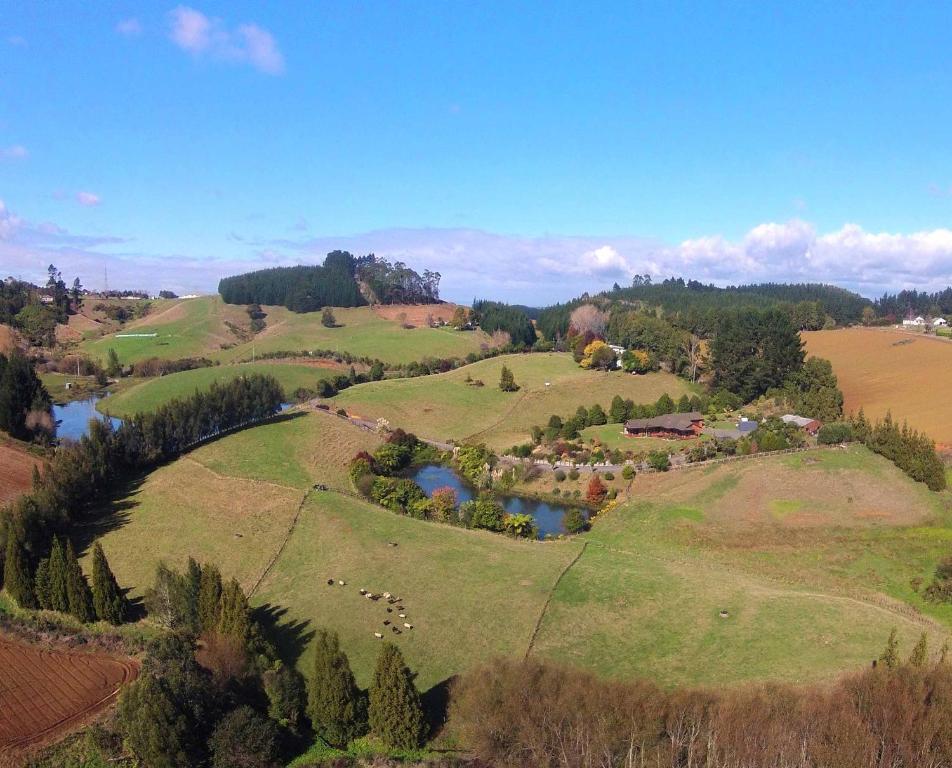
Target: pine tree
(507,382)
(209,598)
(920,652)
(41,584)
(54,580)
(618,412)
(108,600)
(890,655)
(335,704)
(77,588)
(395,713)
(235,619)
(17,579)
(191,584)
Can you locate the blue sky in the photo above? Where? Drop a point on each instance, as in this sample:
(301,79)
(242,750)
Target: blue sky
(527,150)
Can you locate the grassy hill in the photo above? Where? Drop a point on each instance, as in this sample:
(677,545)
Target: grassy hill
(198,327)
(881,369)
(447,406)
(811,555)
(149,394)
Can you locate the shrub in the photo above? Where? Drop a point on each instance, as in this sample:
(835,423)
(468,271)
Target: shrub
(245,738)
(595,494)
(609,475)
(836,432)
(574,520)
(559,475)
(573,474)
(659,460)
(628,473)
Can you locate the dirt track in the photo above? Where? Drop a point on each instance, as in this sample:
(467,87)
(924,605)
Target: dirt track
(45,693)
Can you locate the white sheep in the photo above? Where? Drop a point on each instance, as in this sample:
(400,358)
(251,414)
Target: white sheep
(342,583)
(408,626)
(378,635)
(386,595)
(402,615)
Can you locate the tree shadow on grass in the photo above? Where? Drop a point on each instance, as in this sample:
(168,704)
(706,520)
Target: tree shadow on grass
(288,636)
(436,703)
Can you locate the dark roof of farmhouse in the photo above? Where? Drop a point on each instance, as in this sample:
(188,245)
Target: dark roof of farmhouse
(673,421)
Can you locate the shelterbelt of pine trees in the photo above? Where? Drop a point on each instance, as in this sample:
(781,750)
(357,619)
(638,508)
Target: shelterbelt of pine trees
(81,471)
(913,452)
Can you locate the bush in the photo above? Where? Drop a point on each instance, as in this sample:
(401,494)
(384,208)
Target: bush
(573,474)
(609,475)
(659,460)
(836,432)
(628,473)
(559,475)
(574,520)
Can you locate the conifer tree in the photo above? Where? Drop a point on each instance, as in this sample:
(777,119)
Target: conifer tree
(191,583)
(108,600)
(336,705)
(920,652)
(507,382)
(890,655)
(41,584)
(395,712)
(17,579)
(77,588)
(235,619)
(54,580)
(209,598)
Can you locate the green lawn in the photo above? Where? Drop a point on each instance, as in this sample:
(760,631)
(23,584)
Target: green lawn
(446,406)
(812,556)
(612,437)
(198,327)
(149,394)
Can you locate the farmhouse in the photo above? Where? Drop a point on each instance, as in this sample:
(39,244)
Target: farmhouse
(916,322)
(670,425)
(939,322)
(810,426)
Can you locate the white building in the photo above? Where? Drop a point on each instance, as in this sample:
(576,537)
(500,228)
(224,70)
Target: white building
(939,322)
(916,322)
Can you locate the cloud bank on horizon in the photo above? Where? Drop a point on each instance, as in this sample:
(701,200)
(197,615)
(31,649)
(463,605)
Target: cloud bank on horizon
(532,270)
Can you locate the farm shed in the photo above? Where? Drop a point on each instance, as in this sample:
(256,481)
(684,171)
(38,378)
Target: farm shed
(810,426)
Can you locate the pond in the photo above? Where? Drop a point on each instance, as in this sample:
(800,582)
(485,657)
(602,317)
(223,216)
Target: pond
(72,419)
(548,517)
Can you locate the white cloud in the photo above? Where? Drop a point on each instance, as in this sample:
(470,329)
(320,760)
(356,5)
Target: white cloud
(131,27)
(200,35)
(8,222)
(14,152)
(88,199)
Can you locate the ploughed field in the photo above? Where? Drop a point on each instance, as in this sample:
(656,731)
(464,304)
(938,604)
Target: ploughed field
(812,558)
(47,692)
(205,327)
(16,471)
(882,369)
(452,406)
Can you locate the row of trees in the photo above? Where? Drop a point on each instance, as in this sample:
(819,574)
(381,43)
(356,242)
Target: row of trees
(493,316)
(58,583)
(300,289)
(910,450)
(79,472)
(519,713)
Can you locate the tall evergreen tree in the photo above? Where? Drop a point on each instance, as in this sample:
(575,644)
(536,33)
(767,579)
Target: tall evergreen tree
(235,618)
(920,652)
(395,712)
(108,600)
(17,579)
(77,588)
(54,596)
(336,705)
(507,382)
(191,584)
(890,654)
(209,598)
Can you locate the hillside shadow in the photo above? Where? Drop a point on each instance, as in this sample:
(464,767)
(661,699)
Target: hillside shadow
(113,511)
(288,636)
(276,419)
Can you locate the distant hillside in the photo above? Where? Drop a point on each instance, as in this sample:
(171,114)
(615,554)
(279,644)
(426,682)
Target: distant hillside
(342,281)
(695,304)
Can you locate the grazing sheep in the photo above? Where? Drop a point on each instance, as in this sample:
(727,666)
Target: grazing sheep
(402,615)
(386,595)
(396,631)
(342,583)
(363,591)
(386,622)
(378,635)
(369,595)
(408,626)
(330,582)
(390,610)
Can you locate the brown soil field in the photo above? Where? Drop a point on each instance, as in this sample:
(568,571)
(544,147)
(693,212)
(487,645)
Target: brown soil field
(75,327)
(884,370)
(16,471)
(416,313)
(46,692)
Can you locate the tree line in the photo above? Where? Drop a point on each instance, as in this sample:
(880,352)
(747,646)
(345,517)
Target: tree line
(336,283)
(24,402)
(493,316)
(518,713)
(910,450)
(78,472)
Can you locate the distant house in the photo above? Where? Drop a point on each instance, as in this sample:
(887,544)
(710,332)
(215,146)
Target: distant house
(671,425)
(939,322)
(810,426)
(747,426)
(743,428)
(915,322)
(619,351)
